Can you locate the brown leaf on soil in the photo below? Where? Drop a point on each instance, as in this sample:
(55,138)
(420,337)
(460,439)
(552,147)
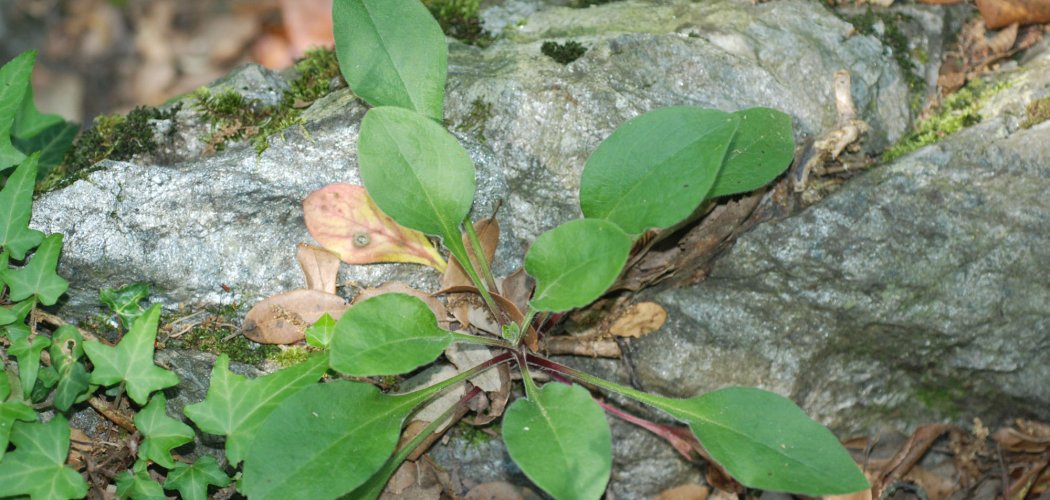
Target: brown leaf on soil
(500,490)
(999,13)
(416,481)
(488,236)
(320,267)
(517,288)
(344,219)
(511,311)
(1026,437)
(909,455)
(639,319)
(283,318)
(690,491)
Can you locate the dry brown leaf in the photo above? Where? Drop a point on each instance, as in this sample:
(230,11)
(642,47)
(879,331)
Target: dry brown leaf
(500,490)
(1029,437)
(999,13)
(283,318)
(415,481)
(320,267)
(512,312)
(639,319)
(691,491)
(467,356)
(935,486)
(488,235)
(517,288)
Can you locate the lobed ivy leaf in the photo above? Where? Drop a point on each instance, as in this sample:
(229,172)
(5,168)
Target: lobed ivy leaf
(131,360)
(11,411)
(387,334)
(67,347)
(37,466)
(192,481)
(126,301)
(137,484)
(348,423)
(27,352)
(321,332)
(38,277)
(575,263)
(17,199)
(7,316)
(762,149)
(14,79)
(561,440)
(765,441)
(236,406)
(35,131)
(392,53)
(656,168)
(416,171)
(161,433)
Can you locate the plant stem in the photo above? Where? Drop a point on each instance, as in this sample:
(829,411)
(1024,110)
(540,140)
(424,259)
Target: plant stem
(479,254)
(459,251)
(644,397)
(477,339)
(432,391)
(526,377)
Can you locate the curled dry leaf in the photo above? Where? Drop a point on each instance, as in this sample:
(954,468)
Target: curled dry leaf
(1026,437)
(320,267)
(690,491)
(344,219)
(999,13)
(639,319)
(283,318)
(514,314)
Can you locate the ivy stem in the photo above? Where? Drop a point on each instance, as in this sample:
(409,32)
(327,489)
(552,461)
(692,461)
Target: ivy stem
(477,339)
(479,254)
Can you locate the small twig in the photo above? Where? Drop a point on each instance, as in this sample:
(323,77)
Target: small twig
(1003,471)
(106,410)
(55,321)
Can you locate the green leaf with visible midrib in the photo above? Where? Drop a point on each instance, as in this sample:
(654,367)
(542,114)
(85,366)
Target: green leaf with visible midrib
(561,440)
(137,484)
(346,423)
(415,171)
(392,53)
(575,263)
(762,149)
(38,277)
(192,481)
(387,334)
(14,80)
(767,442)
(37,466)
(17,200)
(235,406)
(131,360)
(160,432)
(655,169)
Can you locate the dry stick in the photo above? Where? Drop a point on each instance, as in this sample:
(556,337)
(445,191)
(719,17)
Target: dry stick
(55,321)
(106,410)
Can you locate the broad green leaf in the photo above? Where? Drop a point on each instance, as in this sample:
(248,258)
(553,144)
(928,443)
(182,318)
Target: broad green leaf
(320,333)
(10,411)
(161,433)
(38,277)
(6,315)
(346,423)
(392,53)
(29,121)
(137,484)
(52,143)
(416,171)
(387,334)
(14,79)
(17,199)
(27,352)
(344,219)
(67,347)
(655,169)
(192,481)
(236,406)
(762,149)
(37,466)
(561,440)
(46,379)
(126,301)
(131,360)
(767,442)
(575,263)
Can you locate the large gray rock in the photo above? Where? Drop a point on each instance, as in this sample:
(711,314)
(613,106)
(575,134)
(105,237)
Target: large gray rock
(233,219)
(917,293)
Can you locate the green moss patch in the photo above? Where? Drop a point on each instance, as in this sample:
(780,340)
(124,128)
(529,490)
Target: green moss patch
(459,19)
(217,332)
(563,53)
(959,110)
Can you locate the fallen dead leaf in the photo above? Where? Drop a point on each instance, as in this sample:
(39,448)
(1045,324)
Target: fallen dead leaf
(488,236)
(283,318)
(467,356)
(999,13)
(500,490)
(344,219)
(638,320)
(415,481)
(691,491)
(320,267)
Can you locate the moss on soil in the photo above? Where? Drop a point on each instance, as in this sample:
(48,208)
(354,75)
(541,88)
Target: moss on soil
(459,19)
(563,53)
(1038,111)
(218,334)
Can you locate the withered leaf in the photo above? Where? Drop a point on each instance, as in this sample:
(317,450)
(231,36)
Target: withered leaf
(344,219)
(320,267)
(284,318)
(488,236)
(639,319)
